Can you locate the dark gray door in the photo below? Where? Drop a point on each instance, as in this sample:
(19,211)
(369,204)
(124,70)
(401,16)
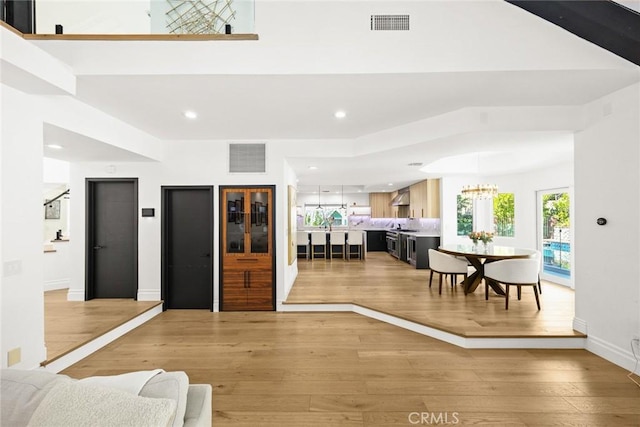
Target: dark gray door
(187,240)
(112,238)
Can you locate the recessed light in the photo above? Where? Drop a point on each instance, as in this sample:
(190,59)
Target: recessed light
(391,183)
(340,114)
(190,114)
(313,168)
(55,146)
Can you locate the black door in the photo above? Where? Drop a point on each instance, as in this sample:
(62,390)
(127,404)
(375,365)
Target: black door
(112,238)
(187,242)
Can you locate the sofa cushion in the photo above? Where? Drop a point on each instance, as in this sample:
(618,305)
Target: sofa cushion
(170,385)
(22,391)
(71,403)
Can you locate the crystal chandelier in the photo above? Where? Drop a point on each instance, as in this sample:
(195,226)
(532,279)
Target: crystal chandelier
(480,191)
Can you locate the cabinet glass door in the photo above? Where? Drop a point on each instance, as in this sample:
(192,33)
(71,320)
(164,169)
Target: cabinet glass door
(235,219)
(259,216)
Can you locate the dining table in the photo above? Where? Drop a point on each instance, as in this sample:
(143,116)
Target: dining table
(478,256)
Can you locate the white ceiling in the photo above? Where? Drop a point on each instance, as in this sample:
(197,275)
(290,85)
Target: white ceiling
(286,87)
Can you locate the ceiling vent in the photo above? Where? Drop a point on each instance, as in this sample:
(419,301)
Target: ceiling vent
(247,158)
(389,22)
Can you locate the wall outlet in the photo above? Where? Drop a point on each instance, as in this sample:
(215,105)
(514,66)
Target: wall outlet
(14,356)
(11,268)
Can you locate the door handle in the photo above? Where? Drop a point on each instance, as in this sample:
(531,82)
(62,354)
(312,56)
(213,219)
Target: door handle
(99,247)
(205,256)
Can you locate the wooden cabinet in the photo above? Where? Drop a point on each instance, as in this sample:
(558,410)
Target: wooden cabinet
(425,199)
(380,205)
(247,274)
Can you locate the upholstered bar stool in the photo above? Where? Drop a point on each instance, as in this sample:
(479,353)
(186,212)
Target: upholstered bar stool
(318,239)
(337,238)
(355,238)
(302,241)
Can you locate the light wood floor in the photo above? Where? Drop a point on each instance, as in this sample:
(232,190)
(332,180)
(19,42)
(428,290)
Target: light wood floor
(385,284)
(343,369)
(70,324)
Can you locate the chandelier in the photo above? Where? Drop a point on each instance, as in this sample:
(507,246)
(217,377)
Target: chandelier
(480,191)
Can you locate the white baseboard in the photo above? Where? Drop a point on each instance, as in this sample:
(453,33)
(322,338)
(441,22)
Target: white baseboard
(464,342)
(75,295)
(54,285)
(96,344)
(149,295)
(580,325)
(613,353)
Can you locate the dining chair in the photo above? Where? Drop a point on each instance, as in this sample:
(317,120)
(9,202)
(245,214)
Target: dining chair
(337,238)
(302,239)
(355,238)
(444,264)
(538,256)
(513,272)
(318,238)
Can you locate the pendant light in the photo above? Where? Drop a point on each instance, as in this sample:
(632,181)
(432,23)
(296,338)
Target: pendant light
(342,206)
(480,191)
(318,208)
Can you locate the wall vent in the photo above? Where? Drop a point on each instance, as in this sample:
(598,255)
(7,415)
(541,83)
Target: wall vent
(389,22)
(247,158)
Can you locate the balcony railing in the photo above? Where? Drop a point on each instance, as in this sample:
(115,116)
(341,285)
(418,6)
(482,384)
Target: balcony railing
(130,17)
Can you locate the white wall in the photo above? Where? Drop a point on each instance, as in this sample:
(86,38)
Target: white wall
(22,316)
(524,187)
(607,165)
(94,17)
(188,163)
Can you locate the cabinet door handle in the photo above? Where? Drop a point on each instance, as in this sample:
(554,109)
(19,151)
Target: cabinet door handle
(248,279)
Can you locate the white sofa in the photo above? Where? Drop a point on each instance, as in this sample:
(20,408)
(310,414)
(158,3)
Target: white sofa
(40,398)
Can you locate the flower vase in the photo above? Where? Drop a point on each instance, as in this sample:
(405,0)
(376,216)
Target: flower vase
(475,245)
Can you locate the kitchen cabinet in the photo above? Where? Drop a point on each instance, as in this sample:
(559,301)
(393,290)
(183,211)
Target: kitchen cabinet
(380,207)
(376,241)
(425,199)
(418,249)
(247,273)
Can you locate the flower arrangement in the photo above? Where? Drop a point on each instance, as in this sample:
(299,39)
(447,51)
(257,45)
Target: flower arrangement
(483,236)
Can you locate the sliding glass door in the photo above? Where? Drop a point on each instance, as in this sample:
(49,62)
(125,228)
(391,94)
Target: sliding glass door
(554,235)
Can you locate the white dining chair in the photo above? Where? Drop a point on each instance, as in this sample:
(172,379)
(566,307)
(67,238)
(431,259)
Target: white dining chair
(318,238)
(538,256)
(444,264)
(355,238)
(302,240)
(513,272)
(337,238)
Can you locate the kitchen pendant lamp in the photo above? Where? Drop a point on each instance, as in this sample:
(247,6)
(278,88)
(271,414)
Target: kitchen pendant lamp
(342,206)
(318,208)
(480,191)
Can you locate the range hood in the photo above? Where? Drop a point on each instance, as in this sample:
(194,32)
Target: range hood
(402,199)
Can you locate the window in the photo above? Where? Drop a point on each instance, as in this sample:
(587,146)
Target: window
(504,214)
(465,215)
(327,215)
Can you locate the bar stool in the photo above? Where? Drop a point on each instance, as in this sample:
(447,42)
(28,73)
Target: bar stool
(337,238)
(355,238)
(318,238)
(302,239)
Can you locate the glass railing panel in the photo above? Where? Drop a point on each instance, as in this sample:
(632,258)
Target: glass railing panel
(145,17)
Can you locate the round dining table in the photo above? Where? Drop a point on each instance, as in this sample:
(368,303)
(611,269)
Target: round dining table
(478,256)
